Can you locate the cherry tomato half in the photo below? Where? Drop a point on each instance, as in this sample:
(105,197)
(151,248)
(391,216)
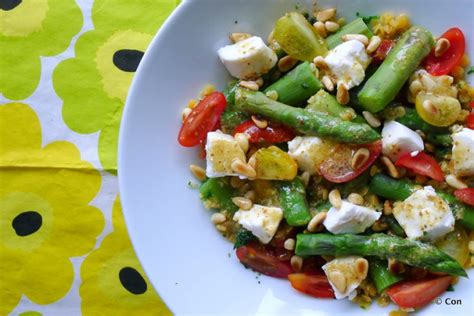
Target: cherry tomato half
(382,51)
(465,195)
(422,164)
(314,285)
(264,259)
(414,294)
(203,119)
(443,64)
(337,168)
(470,120)
(273,133)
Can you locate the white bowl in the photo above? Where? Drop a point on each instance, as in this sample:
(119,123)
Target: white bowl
(191,266)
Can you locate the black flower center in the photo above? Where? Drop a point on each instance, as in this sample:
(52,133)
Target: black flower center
(27,223)
(8,5)
(132,280)
(127,59)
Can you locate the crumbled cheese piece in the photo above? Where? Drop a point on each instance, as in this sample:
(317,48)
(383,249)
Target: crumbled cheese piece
(348,62)
(261,221)
(397,140)
(424,214)
(463,152)
(350,218)
(248,59)
(347,267)
(221,149)
(309,152)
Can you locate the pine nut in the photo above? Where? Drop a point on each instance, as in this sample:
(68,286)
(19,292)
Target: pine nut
(237,37)
(428,83)
(289,244)
(331,26)
(243,141)
(251,85)
(338,279)
(286,63)
(348,114)
(361,267)
(185,113)
(253,159)
(358,37)
(270,37)
(317,220)
(221,228)
(240,167)
(442,45)
(396,267)
(304,177)
(198,172)
(371,119)
(320,63)
(360,158)
(387,208)
(429,106)
(415,86)
(250,195)
(259,122)
(342,95)
(421,133)
(325,15)
(471,246)
(320,28)
(236,182)
(296,263)
(341,21)
(218,218)
(335,198)
(455,182)
(392,170)
(272,94)
(355,198)
(327,82)
(259,82)
(374,43)
(242,203)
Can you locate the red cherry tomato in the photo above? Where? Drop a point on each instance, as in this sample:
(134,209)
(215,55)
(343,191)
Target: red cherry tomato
(443,64)
(414,294)
(382,51)
(273,133)
(465,195)
(422,164)
(337,168)
(203,119)
(314,285)
(264,259)
(470,120)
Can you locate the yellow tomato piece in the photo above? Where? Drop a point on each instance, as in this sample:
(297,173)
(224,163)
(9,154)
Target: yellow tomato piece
(456,244)
(272,163)
(437,110)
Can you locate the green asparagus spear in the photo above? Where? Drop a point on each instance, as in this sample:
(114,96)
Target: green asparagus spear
(303,121)
(411,252)
(403,59)
(381,276)
(394,226)
(327,103)
(357,26)
(231,117)
(435,135)
(297,85)
(400,190)
(293,202)
(217,193)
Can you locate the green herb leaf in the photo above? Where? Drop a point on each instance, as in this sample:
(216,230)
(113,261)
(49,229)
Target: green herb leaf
(470,70)
(367,19)
(243,237)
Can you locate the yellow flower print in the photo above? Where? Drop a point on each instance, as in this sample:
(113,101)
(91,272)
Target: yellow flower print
(94,84)
(113,282)
(30,29)
(44,197)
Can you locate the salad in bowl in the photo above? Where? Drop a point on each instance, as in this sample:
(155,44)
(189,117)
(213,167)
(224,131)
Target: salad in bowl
(341,156)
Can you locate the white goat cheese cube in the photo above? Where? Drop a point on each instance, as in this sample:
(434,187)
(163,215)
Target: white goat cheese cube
(350,218)
(309,152)
(261,221)
(463,152)
(247,59)
(221,149)
(397,140)
(347,267)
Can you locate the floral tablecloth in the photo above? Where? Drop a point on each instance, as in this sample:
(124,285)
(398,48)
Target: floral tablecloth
(65,69)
